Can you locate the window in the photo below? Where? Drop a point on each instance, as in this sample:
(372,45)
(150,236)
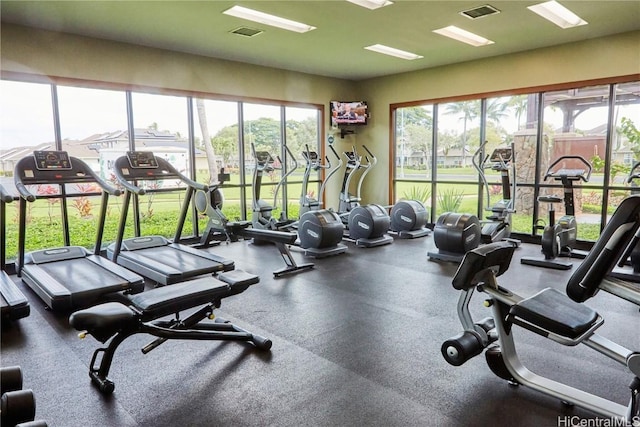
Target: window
(575,122)
(94,126)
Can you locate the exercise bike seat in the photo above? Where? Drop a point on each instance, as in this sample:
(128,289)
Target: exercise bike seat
(552,311)
(550,199)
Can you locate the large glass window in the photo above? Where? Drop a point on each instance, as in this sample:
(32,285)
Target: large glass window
(263,131)
(414,154)
(218,121)
(301,133)
(512,123)
(575,122)
(27,123)
(95,126)
(575,125)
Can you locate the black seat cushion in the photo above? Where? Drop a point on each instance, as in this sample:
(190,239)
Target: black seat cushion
(555,312)
(103,320)
(181,296)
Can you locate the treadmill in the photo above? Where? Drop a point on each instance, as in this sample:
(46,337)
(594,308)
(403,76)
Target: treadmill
(69,277)
(155,257)
(14,304)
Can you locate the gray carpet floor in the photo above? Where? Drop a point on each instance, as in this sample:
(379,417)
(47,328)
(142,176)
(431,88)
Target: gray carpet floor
(356,342)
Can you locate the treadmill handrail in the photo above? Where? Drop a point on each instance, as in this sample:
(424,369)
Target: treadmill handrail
(165,170)
(80,172)
(5,197)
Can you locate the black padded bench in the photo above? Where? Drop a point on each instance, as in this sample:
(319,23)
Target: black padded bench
(143,313)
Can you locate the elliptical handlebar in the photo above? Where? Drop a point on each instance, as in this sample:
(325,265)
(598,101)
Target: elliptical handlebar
(479,165)
(634,173)
(371,162)
(331,172)
(284,177)
(571,174)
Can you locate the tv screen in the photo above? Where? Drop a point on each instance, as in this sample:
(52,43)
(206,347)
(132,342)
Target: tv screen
(349,113)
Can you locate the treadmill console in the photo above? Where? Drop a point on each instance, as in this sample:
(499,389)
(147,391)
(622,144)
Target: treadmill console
(142,160)
(501,155)
(52,160)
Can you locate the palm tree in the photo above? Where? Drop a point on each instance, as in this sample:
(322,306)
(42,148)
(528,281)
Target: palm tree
(206,141)
(519,105)
(468,110)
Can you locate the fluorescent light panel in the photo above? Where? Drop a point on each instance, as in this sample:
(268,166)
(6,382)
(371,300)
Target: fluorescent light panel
(371,4)
(463,36)
(386,50)
(558,14)
(265,18)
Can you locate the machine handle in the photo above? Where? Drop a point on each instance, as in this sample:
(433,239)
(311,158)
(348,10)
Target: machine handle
(633,174)
(584,177)
(24,192)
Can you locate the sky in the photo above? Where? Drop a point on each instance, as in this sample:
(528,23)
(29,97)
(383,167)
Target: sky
(26,116)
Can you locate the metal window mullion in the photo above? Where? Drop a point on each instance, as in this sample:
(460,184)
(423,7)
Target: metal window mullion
(434,162)
(58,146)
(192,160)
(132,147)
(536,179)
(608,155)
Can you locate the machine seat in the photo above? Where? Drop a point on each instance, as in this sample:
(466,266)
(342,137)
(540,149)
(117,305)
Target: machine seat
(550,199)
(553,311)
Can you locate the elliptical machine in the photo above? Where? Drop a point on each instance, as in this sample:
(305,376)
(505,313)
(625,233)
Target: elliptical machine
(262,217)
(319,230)
(559,238)
(497,226)
(220,229)
(367,225)
(409,219)
(313,163)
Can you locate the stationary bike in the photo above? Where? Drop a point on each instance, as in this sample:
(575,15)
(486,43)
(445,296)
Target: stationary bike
(497,226)
(559,238)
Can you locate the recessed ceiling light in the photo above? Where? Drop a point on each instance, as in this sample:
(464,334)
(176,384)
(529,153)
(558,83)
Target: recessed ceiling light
(386,50)
(371,4)
(265,18)
(558,14)
(463,36)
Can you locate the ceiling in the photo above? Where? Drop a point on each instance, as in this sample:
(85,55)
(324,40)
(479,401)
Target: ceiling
(335,48)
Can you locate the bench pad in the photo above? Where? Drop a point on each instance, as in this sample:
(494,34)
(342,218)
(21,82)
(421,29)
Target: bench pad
(181,296)
(555,312)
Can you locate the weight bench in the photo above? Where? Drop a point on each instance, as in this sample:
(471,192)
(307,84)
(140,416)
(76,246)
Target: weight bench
(143,313)
(281,239)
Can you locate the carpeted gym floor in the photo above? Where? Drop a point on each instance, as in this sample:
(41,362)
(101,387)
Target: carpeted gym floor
(356,342)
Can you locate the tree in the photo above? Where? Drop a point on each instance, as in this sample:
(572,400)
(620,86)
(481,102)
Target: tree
(519,105)
(628,129)
(468,110)
(208,148)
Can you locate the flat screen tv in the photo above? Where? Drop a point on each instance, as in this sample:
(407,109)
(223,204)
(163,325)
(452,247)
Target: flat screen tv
(349,113)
